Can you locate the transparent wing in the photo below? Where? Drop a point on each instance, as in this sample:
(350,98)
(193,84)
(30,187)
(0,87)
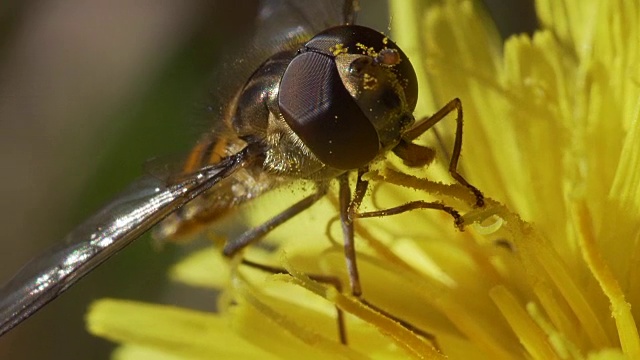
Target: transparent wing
(116,225)
(280,25)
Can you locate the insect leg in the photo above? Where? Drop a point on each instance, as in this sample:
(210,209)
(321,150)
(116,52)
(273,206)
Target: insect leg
(349,211)
(349,207)
(426,124)
(414,205)
(256,233)
(348,234)
(327,279)
(337,284)
(430,337)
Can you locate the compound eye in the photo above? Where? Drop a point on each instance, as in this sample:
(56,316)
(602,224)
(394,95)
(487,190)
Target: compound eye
(358,65)
(390,99)
(318,108)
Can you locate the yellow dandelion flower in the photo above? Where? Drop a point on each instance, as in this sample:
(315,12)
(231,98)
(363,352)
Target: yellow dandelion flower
(548,269)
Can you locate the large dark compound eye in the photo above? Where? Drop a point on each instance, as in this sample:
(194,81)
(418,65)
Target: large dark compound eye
(323,112)
(318,108)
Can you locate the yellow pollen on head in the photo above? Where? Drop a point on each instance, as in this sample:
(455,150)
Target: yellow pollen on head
(369,82)
(338,49)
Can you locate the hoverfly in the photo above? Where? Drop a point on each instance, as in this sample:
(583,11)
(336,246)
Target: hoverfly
(322,101)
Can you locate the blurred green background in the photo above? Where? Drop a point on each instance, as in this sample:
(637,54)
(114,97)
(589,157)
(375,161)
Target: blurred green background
(90,90)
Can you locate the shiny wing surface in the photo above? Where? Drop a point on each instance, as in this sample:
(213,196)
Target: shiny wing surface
(133,212)
(280,25)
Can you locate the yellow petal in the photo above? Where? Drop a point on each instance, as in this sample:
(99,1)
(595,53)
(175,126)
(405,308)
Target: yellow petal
(176,331)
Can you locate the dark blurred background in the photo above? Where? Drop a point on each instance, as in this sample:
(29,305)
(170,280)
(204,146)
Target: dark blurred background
(90,90)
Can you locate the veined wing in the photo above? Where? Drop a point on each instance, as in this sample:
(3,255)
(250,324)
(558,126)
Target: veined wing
(142,205)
